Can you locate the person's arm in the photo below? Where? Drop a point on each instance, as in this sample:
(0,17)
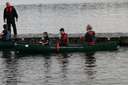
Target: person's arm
(15,13)
(4,15)
(94,36)
(86,37)
(46,42)
(2,33)
(66,38)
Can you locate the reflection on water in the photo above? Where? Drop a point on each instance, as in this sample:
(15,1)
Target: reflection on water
(10,71)
(90,65)
(53,70)
(63,59)
(100,68)
(47,64)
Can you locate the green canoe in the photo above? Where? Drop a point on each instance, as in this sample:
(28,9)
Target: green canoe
(7,45)
(36,48)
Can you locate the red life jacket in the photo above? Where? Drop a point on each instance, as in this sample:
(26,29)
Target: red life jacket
(9,9)
(91,40)
(92,33)
(64,38)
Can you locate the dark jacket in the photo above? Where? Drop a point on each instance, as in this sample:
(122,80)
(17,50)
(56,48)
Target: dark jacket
(10,13)
(46,40)
(6,35)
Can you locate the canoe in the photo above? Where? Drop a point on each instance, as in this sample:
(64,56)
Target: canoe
(7,45)
(37,48)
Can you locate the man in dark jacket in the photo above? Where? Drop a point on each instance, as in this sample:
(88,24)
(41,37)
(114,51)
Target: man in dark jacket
(9,16)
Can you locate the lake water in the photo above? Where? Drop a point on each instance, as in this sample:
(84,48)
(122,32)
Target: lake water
(104,17)
(100,68)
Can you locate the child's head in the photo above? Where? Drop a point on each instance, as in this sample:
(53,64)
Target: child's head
(61,30)
(5,26)
(45,34)
(89,27)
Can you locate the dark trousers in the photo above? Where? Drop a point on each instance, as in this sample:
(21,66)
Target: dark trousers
(9,23)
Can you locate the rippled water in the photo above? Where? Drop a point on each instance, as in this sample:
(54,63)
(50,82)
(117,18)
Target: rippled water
(104,17)
(100,68)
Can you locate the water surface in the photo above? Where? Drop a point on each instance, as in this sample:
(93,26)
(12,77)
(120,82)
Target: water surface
(104,17)
(100,68)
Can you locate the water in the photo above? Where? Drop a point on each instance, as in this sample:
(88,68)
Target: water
(58,1)
(101,68)
(103,16)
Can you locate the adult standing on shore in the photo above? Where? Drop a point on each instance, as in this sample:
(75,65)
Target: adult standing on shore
(10,16)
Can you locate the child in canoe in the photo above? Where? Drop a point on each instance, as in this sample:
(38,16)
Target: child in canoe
(63,38)
(45,40)
(5,34)
(90,36)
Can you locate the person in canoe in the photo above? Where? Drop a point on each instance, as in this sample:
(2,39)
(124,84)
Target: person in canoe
(63,40)
(90,36)
(45,40)
(9,16)
(63,37)
(5,34)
